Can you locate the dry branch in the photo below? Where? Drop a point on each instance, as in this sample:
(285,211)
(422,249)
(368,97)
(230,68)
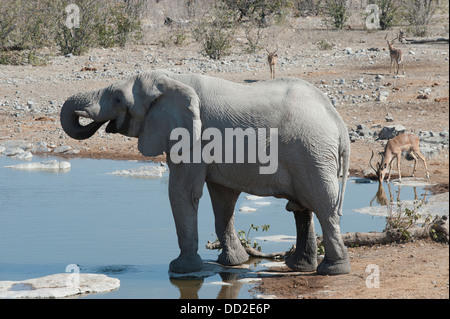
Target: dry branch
(438,230)
(424,41)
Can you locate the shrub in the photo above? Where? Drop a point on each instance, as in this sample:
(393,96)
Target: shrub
(418,13)
(31,25)
(78,40)
(215,33)
(388,12)
(324,45)
(124,23)
(336,12)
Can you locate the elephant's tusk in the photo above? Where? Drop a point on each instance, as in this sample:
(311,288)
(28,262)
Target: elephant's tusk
(82,114)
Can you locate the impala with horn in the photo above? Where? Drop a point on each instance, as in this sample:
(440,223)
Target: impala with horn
(393,150)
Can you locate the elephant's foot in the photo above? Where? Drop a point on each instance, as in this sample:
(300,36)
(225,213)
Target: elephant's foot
(305,256)
(302,262)
(339,267)
(186,263)
(233,257)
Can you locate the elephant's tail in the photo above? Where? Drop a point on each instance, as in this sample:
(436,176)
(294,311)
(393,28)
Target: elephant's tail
(344,164)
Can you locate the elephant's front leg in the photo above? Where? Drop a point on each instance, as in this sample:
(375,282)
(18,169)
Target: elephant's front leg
(223,201)
(184,194)
(304,257)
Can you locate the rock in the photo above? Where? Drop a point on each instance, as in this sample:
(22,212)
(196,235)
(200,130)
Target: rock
(253,197)
(13,151)
(391,131)
(348,50)
(24,155)
(353,136)
(389,119)
(72,152)
(62,149)
(434,140)
(58,286)
(146,171)
(429,152)
(246,209)
(24,145)
(52,165)
(41,147)
(382,96)
(440,227)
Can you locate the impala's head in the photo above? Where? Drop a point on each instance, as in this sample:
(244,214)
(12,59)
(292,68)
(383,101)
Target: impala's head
(272,56)
(381,168)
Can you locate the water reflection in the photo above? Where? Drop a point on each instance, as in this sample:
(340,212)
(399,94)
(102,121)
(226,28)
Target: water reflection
(382,198)
(229,280)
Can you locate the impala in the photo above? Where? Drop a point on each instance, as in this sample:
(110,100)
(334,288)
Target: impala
(408,142)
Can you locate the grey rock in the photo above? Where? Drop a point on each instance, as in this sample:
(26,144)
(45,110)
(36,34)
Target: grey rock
(429,152)
(52,165)
(391,131)
(62,149)
(382,96)
(58,286)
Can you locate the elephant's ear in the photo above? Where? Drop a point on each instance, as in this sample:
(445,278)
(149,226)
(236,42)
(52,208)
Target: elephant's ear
(176,107)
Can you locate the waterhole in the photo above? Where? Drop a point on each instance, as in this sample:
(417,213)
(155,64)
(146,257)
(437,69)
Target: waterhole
(123,227)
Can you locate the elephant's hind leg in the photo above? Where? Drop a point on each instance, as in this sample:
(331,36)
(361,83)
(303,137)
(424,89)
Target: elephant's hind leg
(305,256)
(336,260)
(223,202)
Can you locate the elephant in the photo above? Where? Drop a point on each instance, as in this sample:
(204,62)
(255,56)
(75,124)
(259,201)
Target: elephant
(310,142)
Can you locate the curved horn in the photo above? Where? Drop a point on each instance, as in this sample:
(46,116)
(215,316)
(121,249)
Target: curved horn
(370,163)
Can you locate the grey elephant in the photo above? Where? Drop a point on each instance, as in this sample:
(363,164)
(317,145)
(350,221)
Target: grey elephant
(310,142)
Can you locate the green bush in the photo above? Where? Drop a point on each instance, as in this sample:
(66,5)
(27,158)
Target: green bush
(215,33)
(388,12)
(120,25)
(32,25)
(336,12)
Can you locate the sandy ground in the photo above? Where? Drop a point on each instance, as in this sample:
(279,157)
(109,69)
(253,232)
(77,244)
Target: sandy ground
(407,270)
(415,270)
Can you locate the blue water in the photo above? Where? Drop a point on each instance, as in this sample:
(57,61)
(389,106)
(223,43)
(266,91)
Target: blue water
(123,227)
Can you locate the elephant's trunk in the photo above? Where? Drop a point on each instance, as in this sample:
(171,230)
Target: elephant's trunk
(74,108)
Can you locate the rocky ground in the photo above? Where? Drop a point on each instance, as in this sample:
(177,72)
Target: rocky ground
(354,74)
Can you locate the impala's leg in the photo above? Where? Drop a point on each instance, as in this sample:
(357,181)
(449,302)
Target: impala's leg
(398,168)
(390,69)
(424,161)
(390,169)
(415,162)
